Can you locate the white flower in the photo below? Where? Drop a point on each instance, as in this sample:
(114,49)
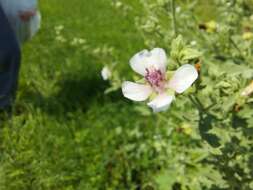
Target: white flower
(178,9)
(152,66)
(106,73)
(193,43)
(58,29)
(60,39)
(77,41)
(118,4)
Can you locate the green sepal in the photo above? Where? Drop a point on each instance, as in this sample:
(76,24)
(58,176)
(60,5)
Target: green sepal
(169,74)
(141,81)
(171,92)
(152,96)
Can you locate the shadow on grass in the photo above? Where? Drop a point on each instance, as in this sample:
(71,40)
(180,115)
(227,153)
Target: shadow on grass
(79,87)
(79,93)
(73,95)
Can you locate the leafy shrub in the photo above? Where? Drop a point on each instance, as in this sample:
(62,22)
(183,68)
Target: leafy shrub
(217,110)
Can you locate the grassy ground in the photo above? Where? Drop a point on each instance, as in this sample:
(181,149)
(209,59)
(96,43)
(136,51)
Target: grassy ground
(63,130)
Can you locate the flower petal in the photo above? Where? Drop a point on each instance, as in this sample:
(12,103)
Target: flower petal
(106,73)
(161,102)
(139,62)
(145,59)
(136,92)
(159,59)
(183,78)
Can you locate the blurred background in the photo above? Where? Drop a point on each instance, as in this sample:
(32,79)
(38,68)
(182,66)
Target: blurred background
(68,134)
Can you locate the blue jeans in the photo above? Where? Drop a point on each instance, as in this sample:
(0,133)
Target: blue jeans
(10,58)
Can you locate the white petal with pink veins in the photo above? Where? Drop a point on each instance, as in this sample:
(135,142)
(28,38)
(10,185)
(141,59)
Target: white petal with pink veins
(183,78)
(161,102)
(135,91)
(144,60)
(159,59)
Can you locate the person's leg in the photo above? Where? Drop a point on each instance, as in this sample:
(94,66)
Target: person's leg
(10,56)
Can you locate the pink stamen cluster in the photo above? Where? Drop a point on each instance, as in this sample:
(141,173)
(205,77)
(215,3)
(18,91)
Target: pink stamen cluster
(155,78)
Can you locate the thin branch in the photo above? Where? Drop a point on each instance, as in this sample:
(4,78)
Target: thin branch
(173,15)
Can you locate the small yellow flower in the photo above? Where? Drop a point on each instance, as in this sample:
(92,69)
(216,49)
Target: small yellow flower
(211,26)
(247,35)
(187,129)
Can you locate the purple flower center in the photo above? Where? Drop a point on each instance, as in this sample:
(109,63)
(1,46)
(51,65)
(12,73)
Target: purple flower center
(155,78)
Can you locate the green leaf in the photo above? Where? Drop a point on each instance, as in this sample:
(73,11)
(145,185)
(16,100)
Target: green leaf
(188,54)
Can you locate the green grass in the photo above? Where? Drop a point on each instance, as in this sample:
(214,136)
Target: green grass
(64,73)
(63,130)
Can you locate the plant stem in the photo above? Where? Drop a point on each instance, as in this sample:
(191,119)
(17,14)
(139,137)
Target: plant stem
(235,46)
(247,60)
(173,15)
